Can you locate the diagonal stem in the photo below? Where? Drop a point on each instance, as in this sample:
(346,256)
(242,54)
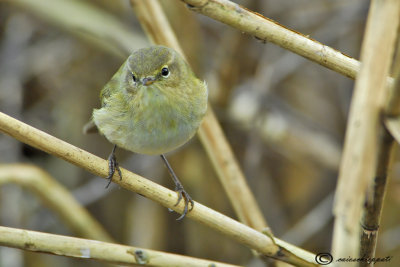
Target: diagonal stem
(133,182)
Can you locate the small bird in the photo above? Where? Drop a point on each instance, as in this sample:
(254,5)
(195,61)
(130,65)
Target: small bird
(153,104)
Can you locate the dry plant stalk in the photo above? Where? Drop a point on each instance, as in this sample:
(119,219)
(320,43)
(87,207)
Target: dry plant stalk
(156,25)
(362,143)
(230,174)
(133,182)
(373,209)
(96,250)
(268,30)
(392,111)
(393,104)
(56,197)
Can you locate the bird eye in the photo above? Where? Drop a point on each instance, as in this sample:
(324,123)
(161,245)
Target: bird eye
(134,77)
(165,72)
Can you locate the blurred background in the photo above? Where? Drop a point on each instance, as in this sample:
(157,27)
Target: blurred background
(283,115)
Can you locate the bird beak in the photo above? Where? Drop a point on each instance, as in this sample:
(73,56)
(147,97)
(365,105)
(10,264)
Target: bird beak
(148,80)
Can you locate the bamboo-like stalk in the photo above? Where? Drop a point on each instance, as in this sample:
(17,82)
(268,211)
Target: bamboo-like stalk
(96,250)
(266,29)
(392,111)
(373,209)
(56,197)
(393,104)
(133,182)
(156,25)
(230,174)
(362,143)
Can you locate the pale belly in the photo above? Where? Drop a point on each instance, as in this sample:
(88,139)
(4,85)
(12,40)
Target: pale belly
(152,132)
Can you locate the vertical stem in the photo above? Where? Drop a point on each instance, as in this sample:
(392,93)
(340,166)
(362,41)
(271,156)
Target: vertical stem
(373,209)
(363,142)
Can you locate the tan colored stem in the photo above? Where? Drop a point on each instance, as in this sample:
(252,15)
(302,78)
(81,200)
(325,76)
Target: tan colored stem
(56,197)
(392,111)
(266,29)
(156,25)
(393,104)
(133,182)
(362,142)
(372,210)
(231,176)
(96,250)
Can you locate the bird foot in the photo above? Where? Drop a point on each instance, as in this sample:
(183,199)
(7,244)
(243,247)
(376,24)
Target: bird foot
(182,194)
(112,166)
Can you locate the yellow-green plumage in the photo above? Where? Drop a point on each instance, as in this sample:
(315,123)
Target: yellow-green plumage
(157,113)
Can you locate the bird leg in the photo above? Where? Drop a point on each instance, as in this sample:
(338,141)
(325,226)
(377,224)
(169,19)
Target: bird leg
(112,166)
(182,194)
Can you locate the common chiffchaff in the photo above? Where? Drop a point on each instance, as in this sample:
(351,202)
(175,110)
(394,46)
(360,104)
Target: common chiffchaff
(153,104)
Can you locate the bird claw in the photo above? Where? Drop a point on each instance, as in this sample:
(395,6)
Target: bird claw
(182,194)
(112,166)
